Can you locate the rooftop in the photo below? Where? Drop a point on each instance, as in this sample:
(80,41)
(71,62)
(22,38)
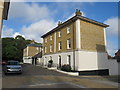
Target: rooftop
(78,15)
(35,45)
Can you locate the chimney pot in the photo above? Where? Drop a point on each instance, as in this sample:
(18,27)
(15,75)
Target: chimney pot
(59,23)
(78,12)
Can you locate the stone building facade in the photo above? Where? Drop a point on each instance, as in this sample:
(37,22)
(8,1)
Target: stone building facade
(79,42)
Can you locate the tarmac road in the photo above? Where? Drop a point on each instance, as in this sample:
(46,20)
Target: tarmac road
(37,77)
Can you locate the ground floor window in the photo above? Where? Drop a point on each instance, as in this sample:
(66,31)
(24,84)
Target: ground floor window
(59,61)
(69,59)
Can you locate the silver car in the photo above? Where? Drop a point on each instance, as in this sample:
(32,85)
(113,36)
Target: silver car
(13,67)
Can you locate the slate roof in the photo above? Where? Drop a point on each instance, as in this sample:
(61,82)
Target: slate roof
(72,20)
(35,45)
(39,55)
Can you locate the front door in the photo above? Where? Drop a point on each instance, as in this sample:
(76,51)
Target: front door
(59,61)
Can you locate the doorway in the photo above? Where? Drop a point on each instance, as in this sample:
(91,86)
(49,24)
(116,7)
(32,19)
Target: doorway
(59,61)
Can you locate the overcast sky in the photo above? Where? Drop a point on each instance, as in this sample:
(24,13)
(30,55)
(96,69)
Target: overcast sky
(33,19)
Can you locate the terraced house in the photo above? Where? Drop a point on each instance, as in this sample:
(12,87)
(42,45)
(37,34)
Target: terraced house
(79,42)
(30,51)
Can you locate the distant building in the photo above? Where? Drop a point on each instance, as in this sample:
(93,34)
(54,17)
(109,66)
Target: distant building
(4,7)
(30,51)
(117,55)
(79,42)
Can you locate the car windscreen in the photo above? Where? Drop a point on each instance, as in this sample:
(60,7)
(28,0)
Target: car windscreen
(13,63)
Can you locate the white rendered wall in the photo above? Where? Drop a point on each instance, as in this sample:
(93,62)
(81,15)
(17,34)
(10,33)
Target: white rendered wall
(55,58)
(91,60)
(113,66)
(25,60)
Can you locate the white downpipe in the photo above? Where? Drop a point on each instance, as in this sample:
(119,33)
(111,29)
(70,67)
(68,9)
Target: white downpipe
(105,39)
(78,40)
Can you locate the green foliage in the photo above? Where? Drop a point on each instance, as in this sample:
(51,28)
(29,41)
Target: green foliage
(12,48)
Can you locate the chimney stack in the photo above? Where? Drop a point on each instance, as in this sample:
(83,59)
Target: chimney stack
(59,23)
(78,13)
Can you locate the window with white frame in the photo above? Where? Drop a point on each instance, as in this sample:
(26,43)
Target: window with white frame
(59,33)
(45,40)
(50,48)
(69,43)
(68,29)
(60,45)
(45,49)
(50,38)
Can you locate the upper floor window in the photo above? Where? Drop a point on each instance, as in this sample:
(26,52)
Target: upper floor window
(50,48)
(60,45)
(45,40)
(69,43)
(50,38)
(68,29)
(59,33)
(45,49)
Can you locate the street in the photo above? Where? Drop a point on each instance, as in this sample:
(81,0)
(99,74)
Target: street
(37,77)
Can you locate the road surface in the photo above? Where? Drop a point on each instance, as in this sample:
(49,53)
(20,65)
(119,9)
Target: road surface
(37,77)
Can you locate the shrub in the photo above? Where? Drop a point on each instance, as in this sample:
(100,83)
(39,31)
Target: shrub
(66,68)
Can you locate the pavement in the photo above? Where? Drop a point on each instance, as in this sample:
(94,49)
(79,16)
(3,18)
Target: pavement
(38,77)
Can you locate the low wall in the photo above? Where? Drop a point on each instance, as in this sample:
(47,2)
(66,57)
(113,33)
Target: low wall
(113,67)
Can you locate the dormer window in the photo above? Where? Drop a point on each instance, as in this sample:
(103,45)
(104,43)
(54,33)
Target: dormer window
(68,29)
(59,33)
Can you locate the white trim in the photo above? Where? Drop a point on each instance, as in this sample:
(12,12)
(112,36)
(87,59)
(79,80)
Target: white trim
(105,38)
(78,40)
(55,42)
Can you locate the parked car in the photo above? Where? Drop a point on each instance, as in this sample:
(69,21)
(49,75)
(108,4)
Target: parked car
(12,66)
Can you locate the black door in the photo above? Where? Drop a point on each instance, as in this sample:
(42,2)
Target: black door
(59,61)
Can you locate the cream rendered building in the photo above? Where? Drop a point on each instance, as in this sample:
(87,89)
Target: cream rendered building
(79,42)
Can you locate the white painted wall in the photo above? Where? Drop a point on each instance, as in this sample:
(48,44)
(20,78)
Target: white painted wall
(85,61)
(91,60)
(25,60)
(113,66)
(55,58)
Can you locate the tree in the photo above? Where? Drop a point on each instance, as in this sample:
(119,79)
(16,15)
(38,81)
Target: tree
(12,48)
